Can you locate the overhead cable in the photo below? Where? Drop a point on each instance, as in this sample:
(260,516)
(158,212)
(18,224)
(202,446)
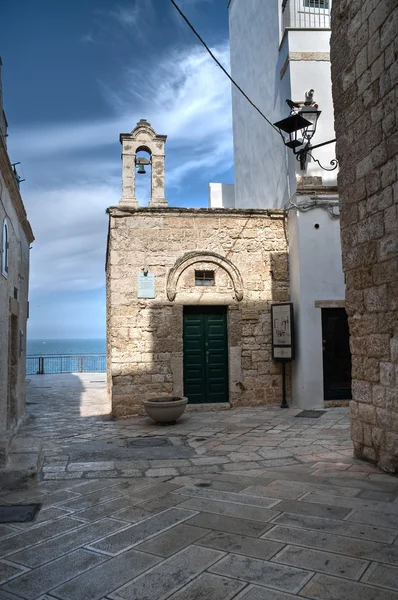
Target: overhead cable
(222,67)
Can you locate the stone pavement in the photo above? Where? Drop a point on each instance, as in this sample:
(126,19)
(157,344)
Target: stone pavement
(246,504)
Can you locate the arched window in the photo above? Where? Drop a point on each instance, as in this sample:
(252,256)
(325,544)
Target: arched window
(5,249)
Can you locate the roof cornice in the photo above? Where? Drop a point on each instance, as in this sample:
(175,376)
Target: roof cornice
(16,199)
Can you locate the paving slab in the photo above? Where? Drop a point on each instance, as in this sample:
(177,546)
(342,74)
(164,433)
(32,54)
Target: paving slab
(7,596)
(291,490)
(314,495)
(154,491)
(133,514)
(43,516)
(101,581)
(325,587)
(93,486)
(368,550)
(314,510)
(209,587)
(106,509)
(51,549)
(356,530)
(222,496)
(240,544)
(57,497)
(229,524)
(323,562)
(41,580)
(383,575)
(134,535)
(92,466)
(88,500)
(9,571)
(317,497)
(38,534)
(6,531)
(174,540)
(260,572)
(253,592)
(377,495)
(253,513)
(374,518)
(169,576)
(154,505)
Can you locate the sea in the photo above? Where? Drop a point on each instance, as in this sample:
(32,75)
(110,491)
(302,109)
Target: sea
(65,356)
(41,347)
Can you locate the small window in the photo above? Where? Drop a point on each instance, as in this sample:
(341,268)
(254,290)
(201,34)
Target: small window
(324,4)
(4,249)
(204,277)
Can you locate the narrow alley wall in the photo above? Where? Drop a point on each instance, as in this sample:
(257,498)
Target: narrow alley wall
(365,91)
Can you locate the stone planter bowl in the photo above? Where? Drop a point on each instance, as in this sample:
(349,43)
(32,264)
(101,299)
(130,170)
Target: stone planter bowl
(166,409)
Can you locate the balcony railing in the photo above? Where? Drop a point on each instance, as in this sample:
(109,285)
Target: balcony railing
(52,364)
(306,14)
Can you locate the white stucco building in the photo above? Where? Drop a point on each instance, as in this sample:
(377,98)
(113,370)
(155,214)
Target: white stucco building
(15,238)
(280,50)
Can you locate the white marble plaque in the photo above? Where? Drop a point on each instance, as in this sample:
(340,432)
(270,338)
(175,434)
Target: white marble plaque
(146,286)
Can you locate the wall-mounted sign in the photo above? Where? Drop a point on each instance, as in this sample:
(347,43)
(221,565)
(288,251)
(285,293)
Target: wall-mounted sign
(282,331)
(146,285)
(250,315)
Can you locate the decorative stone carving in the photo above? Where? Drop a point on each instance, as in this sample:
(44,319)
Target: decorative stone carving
(143,138)
(190,259)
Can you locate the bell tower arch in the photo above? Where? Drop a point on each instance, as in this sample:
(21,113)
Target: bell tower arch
(142,138)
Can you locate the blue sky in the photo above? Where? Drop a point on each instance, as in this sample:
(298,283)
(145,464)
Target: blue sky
(76,73)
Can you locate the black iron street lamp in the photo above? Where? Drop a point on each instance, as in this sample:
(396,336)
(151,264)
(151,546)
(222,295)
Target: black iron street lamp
(300,126)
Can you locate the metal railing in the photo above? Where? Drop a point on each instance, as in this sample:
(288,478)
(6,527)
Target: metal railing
(53,364)
(303,14)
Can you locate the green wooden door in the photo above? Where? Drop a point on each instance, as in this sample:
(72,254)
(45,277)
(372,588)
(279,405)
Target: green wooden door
(205,354)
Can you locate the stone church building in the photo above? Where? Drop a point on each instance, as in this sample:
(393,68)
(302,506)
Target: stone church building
(189,294)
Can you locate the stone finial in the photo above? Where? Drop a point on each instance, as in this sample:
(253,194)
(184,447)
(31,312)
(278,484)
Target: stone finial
(142,138)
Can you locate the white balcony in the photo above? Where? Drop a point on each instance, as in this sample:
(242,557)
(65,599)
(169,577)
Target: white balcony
(306,14)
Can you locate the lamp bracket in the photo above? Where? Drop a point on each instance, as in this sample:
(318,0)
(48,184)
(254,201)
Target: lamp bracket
(301,156)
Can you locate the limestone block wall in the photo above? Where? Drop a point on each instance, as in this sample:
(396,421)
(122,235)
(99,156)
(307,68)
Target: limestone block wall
(13,303)
(246,249)
(364,55)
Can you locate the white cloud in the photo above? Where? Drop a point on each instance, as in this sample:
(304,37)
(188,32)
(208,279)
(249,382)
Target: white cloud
(184,96)
(188,97)
(127,15)
(70,226)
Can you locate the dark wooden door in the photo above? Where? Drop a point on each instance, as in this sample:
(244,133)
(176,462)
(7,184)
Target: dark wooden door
(336,354)
(205,354)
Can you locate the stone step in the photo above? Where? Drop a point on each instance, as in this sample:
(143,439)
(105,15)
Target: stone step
(24,462)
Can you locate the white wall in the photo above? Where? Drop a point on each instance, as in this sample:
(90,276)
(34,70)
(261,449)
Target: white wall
(315,274)
(266,171)
(260,156)
(315,74)
(262,163)
(221,195)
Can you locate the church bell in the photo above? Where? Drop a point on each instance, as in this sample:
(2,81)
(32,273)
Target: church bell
(141,170)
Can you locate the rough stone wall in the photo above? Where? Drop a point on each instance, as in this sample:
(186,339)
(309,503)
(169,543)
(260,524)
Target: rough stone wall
(145,346)
(13,304)
(365,91)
